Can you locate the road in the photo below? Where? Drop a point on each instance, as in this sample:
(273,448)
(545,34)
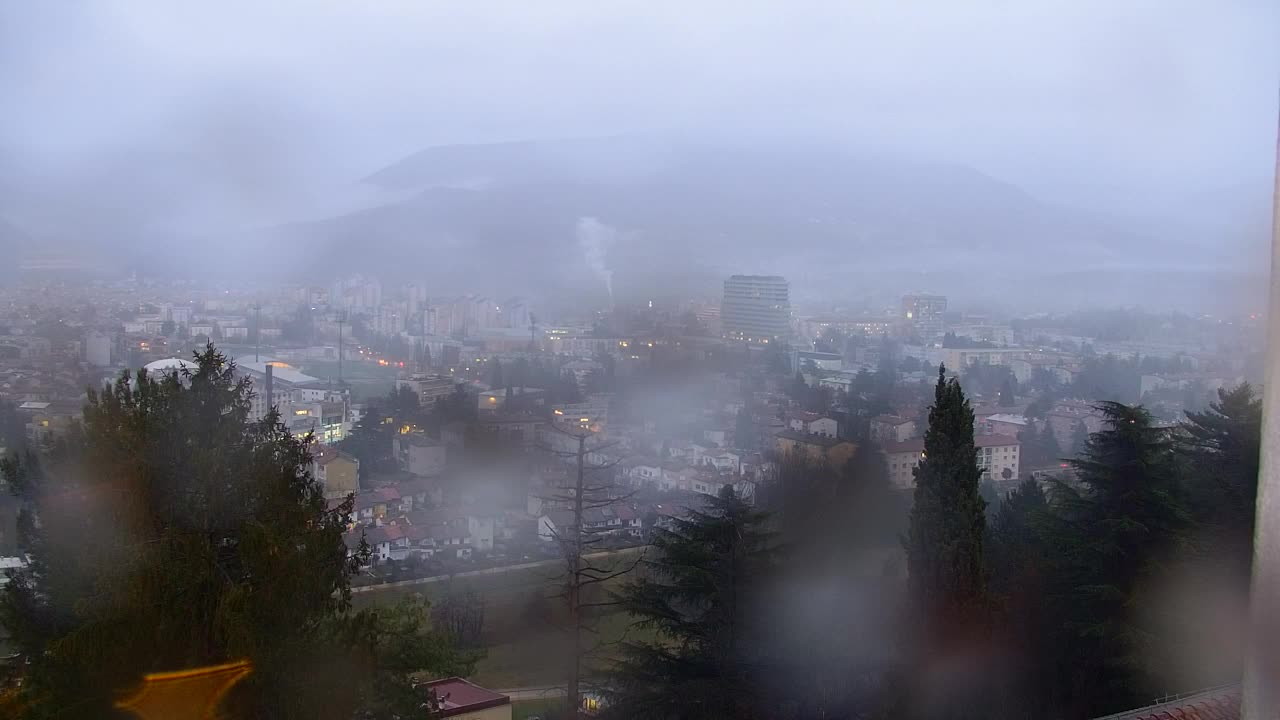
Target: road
(533,693)
(492,571)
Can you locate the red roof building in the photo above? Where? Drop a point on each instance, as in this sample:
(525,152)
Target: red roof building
(460,697)
(1221,703)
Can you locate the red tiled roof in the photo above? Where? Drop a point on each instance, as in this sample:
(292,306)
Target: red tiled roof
(1216,704)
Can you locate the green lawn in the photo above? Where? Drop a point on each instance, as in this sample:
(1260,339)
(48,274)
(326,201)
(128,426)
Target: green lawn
(535,657)
(525,709)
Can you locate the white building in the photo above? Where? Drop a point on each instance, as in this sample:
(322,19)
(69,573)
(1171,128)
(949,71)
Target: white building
(97,349)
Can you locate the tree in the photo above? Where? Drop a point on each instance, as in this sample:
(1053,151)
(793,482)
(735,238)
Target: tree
(1018,559)
(13,433)
(593,490)
(1039,447)
(175,531)
(945,573)
(1221,445)
(1112,530)
(1079,438)
(460,617)
(1008,391)
(744,430)
(566,390)
(695,594)
(944,541)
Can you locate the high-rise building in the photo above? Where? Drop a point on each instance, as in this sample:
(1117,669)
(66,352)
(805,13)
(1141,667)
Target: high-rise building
(756,308)
(97,348)
(923,316)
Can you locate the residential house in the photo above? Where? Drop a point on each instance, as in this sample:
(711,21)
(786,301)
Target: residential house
(1004,424)
(892,429)
(996,453)
(812,424)
(645,474)
(465,700)
(814,448)
(1064,417)
(611,520)
(420,455)
(902,457)
(998,456)
(727,461)
(512,429)
(337,472)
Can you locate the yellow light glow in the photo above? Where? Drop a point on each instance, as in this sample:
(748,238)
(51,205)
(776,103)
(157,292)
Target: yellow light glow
(559,412)
(299,412)
(584,419)
(493,399)
(908,314)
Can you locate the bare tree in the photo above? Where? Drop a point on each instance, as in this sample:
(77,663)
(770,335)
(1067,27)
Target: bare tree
(593,489)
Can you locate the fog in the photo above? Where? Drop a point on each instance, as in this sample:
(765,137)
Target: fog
(145,128)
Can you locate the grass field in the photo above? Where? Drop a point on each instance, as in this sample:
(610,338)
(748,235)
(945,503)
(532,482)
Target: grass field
(525,709)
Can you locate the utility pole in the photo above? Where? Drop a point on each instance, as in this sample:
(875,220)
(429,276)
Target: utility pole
(257,329)
(341,317)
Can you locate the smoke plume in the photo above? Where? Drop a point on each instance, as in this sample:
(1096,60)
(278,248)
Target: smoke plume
(595,238)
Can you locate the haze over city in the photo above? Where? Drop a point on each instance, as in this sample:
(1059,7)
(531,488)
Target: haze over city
(1078,137)
(639,360)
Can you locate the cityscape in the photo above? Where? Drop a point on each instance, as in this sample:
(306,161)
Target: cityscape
(581,361)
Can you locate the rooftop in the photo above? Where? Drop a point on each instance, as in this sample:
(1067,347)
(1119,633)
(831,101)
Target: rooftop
(810,438)
(460,696)
(1222,703)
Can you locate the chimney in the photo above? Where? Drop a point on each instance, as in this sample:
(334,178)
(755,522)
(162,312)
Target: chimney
(271,401)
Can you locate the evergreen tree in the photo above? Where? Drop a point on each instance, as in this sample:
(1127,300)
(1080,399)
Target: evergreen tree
(1017,559)
(1222,446)
(696,595)
(1079,438)
(1008,391)
(944,541)
(1111,531)
(176,532)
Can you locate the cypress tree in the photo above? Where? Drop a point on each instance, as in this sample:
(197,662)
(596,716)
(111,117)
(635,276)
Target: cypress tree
(944,541)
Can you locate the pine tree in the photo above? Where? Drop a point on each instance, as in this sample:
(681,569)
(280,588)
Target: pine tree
(1222,445)
(696,594)
(944,541)
(1111,530)
(175,532)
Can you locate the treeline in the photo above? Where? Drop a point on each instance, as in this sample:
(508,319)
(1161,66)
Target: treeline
(1080,597)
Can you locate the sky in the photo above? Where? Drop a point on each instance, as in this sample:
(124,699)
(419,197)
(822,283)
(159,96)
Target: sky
(1080,92)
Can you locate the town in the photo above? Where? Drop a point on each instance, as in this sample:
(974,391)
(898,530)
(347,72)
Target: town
(676,402)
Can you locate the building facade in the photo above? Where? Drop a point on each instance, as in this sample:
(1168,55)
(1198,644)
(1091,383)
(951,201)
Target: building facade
(756,308)
(923,316)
